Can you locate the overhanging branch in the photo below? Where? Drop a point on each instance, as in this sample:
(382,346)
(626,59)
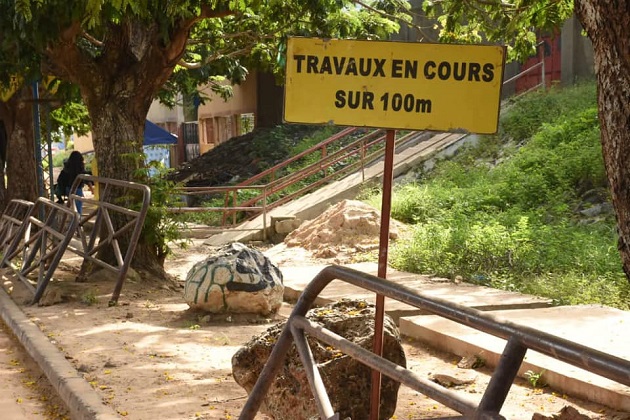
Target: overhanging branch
(91,39)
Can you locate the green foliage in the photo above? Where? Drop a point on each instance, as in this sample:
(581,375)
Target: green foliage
(89,298)
(161,227)
(70,119)
(527,113)
(508,217)
(60,158)
(535,379)
(497,21)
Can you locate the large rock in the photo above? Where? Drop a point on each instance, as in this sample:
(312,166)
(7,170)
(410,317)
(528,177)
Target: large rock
(237,279)
(347,381)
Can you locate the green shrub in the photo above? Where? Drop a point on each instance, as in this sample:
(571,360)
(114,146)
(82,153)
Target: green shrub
(506,216)
(529,112)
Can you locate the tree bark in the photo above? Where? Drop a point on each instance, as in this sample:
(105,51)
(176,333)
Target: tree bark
(21,168)
(118,88)
(118,139)
(606,23)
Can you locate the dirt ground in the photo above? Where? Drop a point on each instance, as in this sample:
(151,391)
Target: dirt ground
(152,358)
(24,392)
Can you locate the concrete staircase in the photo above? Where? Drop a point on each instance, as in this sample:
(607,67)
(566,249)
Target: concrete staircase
(599,327)
(312,205)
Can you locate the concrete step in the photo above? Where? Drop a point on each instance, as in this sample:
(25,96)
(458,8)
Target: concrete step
(598,327)
(479,297)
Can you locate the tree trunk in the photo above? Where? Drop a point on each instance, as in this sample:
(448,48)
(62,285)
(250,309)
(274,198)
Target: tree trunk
(4,140)
(118,132)
(118,86)
(21,168)
(606,23)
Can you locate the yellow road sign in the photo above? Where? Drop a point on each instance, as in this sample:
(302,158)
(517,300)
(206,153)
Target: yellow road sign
(401,85)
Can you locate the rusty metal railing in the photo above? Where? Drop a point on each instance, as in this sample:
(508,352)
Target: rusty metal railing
(278,190)
(40,243)
(115,197)
(108,224)
(210,191)
(519,339)
(11,220)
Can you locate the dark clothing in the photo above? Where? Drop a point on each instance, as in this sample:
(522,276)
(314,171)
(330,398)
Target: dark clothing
(64,182)
(72,168)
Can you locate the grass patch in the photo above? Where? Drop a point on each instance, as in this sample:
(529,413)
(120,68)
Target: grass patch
(509,212)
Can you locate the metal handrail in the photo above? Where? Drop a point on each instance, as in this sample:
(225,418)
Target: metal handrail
(540,64)
(40,242)
(57,228)
(351,150)
(320,146)
(519,338)
(12,218)
(260,204)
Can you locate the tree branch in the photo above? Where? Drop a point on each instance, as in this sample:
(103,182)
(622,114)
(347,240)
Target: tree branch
(91,39)
(64,59)
(177,46)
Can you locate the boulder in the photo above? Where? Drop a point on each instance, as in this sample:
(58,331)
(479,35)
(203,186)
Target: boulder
(347,381)
(238,279)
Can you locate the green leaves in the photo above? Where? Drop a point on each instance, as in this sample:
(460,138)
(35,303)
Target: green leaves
(514,23)
(505,218)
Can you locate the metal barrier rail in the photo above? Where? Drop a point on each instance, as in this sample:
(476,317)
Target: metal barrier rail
(259,204)
(58,228)
(12,218)
(112,219)
(519,339)
(40,244)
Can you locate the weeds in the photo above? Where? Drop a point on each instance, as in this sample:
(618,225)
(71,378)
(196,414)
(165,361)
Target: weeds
(89,298)
(535,379)
(509,217)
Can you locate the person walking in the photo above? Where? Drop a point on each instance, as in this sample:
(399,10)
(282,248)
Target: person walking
(73,167)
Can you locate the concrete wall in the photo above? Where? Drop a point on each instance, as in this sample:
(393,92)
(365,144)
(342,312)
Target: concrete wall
(577,53)
(160,114)
(242,102)
(220,120)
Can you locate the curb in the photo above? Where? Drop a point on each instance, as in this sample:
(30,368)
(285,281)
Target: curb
(83,402)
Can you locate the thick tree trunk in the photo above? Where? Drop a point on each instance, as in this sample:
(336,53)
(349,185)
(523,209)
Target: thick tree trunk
(118,87)
(606,23)
(118,132)
(21,168)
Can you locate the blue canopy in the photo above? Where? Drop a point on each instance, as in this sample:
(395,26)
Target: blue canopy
(154,134)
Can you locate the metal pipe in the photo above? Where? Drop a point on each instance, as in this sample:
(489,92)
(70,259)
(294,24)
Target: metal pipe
(503,376)
(432,390)
(523,73)
(520,336)
(542,61)
(37,139)
(324,408)
(383,246)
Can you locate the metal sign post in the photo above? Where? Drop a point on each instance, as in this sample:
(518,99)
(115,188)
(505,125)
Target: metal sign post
(383,247)
(392,85)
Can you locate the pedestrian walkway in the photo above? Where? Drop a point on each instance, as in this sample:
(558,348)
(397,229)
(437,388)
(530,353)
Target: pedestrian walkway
(601,328)
(18,398)
(82,401)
